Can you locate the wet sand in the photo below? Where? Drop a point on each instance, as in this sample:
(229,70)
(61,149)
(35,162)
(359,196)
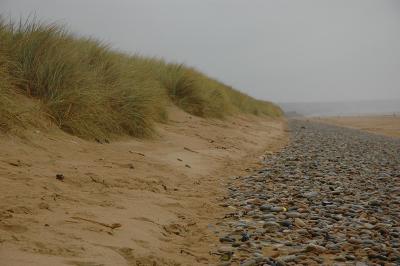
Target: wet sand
(387,125)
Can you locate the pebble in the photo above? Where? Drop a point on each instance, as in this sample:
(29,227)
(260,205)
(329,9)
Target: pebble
(331,194)
(315,248)
(245,237)
(286,223)
(299,222)
(278,209)
(311,194)
(265,207)
(287,258)
(249,262)
(293,215)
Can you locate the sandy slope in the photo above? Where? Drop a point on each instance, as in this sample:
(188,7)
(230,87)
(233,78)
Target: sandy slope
(132,202)
(388,125)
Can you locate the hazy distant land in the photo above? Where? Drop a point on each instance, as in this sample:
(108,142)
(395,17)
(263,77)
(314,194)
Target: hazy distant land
(379,107)
(387,125)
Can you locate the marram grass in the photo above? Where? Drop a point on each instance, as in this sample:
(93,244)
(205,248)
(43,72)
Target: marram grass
(91,91)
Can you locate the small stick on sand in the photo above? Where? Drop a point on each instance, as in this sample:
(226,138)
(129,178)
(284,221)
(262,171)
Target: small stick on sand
(112,226)
(190,150)
(97,181)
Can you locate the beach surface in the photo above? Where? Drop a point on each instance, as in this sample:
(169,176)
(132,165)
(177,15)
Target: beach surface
(67,201)
(388,125)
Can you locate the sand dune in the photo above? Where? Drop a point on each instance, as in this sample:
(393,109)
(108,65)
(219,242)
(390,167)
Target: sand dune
(66,201)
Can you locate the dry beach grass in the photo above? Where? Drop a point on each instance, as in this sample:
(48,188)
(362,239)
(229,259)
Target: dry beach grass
(92,91)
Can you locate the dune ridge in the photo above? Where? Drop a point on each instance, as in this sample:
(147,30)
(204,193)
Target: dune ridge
(89,90)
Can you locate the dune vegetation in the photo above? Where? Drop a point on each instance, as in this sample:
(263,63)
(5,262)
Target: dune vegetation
(91,91)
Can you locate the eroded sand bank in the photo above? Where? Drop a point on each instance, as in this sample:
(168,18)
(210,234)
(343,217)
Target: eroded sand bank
(131,202)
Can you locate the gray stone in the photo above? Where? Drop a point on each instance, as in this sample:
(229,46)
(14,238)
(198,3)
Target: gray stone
(311,194)
(293,215)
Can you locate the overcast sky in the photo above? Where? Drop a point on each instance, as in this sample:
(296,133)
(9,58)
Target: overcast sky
(281,50)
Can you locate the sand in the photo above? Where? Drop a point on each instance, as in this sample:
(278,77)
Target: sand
(130,202)
(388,125)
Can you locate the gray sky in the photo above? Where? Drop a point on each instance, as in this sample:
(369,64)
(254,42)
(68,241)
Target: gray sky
(281,50)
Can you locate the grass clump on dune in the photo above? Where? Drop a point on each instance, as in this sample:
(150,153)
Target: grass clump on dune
(86,89)
(7,104)
(91,91)
(16,111)
(181,89)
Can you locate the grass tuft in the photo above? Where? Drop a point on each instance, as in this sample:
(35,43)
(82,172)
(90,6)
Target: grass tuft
(182,89)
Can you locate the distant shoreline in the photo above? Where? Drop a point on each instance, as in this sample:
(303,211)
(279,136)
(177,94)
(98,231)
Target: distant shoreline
(353,108)
(387,125)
